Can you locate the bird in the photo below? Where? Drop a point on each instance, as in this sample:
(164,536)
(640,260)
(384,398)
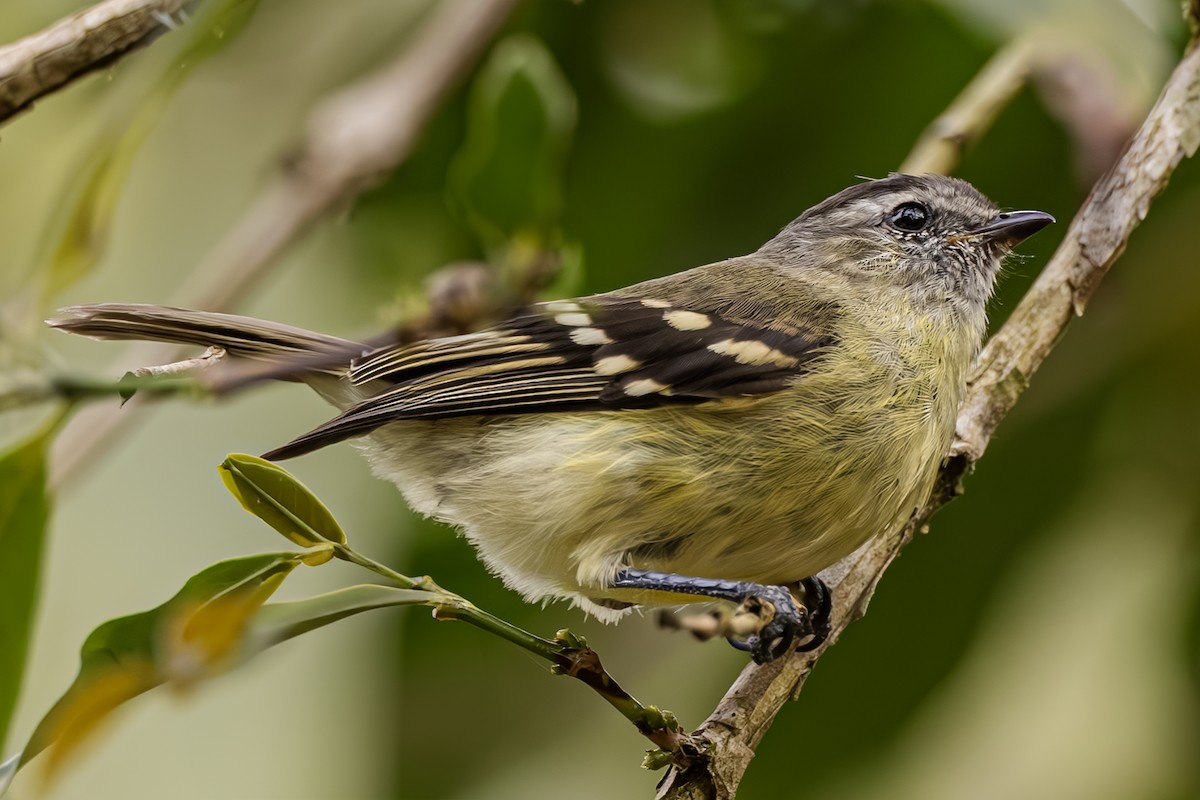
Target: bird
(726,432)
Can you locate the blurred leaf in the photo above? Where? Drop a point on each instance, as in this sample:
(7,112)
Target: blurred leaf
(82,239)
(203,638)
(279,622)
(24,511)
(107,689)
(8,771)
(674,59)
(77,243)
(190,636)
(274,495)
(215,29)
(128,656)
(508,177)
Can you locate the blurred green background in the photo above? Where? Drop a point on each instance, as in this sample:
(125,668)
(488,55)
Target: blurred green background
(1042,642)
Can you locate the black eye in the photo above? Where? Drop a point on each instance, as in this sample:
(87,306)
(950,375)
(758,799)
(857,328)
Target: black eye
(910,217)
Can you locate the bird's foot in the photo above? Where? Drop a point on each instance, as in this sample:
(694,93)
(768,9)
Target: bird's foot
(782,620)
(775,619)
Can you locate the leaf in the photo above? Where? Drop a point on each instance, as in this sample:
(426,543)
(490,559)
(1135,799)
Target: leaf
(508,177)
(126,666)
(90,202)
(274,495)
(195,634)
(279,622)
(24,511)
(8,771)
(674,60)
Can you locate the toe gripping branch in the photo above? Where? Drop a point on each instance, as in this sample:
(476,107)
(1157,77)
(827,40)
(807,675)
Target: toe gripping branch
(788,623)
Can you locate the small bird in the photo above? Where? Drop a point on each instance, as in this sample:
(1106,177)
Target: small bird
(723,432)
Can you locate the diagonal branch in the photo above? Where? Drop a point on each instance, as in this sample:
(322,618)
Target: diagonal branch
(354,137)
(1097,237)
(943,143)
(1094,240)
(86,41)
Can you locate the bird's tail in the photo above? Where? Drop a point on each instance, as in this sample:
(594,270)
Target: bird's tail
(245,337)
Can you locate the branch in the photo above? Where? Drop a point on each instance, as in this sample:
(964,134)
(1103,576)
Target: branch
(943,143)
(84,42)
(1096,237)
(1119,201)
(355,136)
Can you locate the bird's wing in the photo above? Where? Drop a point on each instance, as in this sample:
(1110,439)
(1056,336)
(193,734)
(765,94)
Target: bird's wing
(602,353)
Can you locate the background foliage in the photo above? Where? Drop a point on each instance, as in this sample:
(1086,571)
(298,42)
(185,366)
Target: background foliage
(1041,643)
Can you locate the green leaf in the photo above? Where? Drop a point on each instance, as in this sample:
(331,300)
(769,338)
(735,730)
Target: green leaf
(279,622)
(274,495)
(90,201)
(126,657)
(24,511)
(508,177)
(196,634)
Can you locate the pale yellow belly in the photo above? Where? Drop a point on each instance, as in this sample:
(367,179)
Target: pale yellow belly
(557,504)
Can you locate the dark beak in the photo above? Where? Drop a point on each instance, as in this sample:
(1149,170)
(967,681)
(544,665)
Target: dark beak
(1013,227)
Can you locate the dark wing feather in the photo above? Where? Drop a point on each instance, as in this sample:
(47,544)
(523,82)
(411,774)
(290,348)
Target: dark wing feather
(597,354)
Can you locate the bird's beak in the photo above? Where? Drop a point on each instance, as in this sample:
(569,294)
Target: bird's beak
(1010,228)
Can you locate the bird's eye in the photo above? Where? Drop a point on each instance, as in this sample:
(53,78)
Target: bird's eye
(911,217)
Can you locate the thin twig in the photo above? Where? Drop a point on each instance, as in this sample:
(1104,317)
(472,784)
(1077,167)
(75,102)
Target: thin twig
(354,136)
(1096,237)
(86,41)
(568,654)
(74,389)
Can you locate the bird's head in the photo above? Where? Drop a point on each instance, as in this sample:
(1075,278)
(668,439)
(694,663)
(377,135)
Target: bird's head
(936,237)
